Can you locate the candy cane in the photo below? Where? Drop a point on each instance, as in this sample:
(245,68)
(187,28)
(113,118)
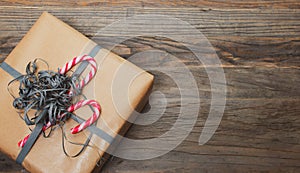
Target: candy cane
(72,108)
(75,61)
(91,120)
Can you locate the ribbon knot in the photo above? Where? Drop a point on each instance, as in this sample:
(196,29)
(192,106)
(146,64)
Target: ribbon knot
(52,96)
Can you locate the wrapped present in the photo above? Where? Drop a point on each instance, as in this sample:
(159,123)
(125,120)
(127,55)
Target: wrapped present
(56,43)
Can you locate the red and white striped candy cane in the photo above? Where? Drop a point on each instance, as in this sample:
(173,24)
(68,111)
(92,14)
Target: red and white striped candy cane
(74,62)
(72,108)
(89,121)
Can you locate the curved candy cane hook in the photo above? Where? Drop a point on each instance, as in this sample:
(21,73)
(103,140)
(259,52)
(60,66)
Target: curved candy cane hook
(69,65)
(91,120)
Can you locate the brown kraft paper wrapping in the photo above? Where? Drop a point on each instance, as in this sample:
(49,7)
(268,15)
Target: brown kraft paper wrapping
(57,43)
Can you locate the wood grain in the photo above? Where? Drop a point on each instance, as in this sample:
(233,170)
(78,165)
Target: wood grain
(159,3)
(258,43)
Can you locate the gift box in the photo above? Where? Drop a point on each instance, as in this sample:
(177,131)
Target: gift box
(119,86)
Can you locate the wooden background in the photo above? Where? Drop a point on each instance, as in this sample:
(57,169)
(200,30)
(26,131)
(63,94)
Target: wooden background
(258,42)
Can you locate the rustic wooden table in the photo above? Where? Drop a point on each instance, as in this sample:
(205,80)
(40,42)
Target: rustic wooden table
(258,43)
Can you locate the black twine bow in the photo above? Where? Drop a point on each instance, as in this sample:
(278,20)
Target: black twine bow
(45,89)
(47,94)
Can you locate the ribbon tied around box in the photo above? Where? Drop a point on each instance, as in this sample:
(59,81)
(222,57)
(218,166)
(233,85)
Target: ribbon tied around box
(52,97)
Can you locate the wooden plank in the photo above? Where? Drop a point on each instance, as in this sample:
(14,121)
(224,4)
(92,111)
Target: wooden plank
(233,51)
(214,22)
(160,3)
(241,37)
(241,82)
(246,83)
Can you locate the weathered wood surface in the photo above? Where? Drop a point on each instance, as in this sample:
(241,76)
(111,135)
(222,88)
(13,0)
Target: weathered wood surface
(259,47)
(291,4)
